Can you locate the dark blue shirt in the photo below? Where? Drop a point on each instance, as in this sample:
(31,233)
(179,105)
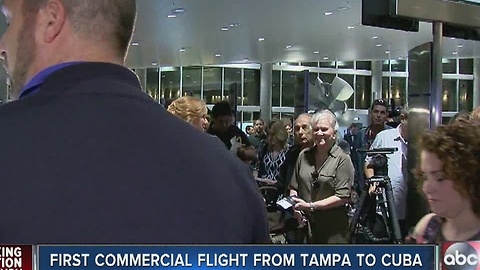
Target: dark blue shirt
(36,82)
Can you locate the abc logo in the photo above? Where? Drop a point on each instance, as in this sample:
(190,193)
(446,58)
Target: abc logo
(460,256)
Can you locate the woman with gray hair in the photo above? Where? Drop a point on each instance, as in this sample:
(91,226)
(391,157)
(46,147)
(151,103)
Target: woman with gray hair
(322,181)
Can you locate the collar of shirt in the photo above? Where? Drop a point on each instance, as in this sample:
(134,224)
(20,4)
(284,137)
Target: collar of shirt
(34,84)
(400,138)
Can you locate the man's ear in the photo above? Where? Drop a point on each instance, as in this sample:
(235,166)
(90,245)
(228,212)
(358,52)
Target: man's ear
(54,17)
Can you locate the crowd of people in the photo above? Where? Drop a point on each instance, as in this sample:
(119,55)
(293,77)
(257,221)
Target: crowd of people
(322,178)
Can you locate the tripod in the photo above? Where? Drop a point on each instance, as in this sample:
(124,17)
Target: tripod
(383,199)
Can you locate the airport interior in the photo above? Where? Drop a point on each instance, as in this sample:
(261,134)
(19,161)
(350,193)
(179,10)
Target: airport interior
(204,47)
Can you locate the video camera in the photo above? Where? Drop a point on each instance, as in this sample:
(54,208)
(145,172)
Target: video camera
(379,159)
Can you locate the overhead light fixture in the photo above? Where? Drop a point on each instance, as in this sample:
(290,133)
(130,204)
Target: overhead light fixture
(182,50)
(343,8)
(218,55)
(224,28)
(316,52)
(328,13)
(387,52)
(351,27)
(400,58)
(135,43)
(154,64)
(460,46)
(454,53)
(379,45)
(233,24)
(356,118)
(178,10)
(325,58)
(261,39)
(374,37)
(452,38)
(246,60)
(288,46)
(171,16)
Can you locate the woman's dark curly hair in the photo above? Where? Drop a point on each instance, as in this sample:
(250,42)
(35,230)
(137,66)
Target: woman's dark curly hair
(457,145)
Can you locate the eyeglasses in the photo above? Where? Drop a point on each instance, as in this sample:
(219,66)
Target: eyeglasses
(315,182)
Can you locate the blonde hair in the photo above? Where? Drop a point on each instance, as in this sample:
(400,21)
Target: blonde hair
(188,108)
(276,128)
(476,113)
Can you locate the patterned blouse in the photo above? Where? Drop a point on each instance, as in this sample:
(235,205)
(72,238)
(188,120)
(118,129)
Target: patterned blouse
(272,164)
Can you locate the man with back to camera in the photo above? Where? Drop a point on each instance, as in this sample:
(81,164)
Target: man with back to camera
(92,159)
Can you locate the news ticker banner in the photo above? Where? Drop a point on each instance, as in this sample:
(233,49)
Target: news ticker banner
(218,257)
(453,256)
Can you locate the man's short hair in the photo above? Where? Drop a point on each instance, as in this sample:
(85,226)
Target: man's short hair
(379,102)
(115,18)
(221,108)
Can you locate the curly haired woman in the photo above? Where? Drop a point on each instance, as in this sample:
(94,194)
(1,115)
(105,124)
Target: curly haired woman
(449,171)
(191,110)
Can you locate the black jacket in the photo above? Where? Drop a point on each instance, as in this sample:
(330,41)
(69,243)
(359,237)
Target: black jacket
(89,158)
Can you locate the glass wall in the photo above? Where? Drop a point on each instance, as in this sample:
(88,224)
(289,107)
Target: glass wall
(152,83)
(363,91)
(170,83)
(192,81)
(251,87)
(212,84)
(216,83)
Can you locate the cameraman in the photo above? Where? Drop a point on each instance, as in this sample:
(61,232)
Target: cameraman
(397,165)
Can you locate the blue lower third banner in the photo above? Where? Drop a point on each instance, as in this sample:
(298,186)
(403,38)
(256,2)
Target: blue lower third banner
(247,257)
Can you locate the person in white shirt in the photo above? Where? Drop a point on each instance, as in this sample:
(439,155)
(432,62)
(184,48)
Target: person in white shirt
(397,165)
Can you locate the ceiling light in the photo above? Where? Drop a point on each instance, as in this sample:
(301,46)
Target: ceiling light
(316,52)
(374,37)
(218,55)
(343,8)
(387,52)
(182,50)
(455,53)
(245,60)
(135,43)
(460,46)
(379,45)
(400,58)
(452,38)
(328,13)
(171,16)
(288,46)
(178,10)
(351,27)
(261,39)
(224,28)
(325,58)
(154,64)
(233,24)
